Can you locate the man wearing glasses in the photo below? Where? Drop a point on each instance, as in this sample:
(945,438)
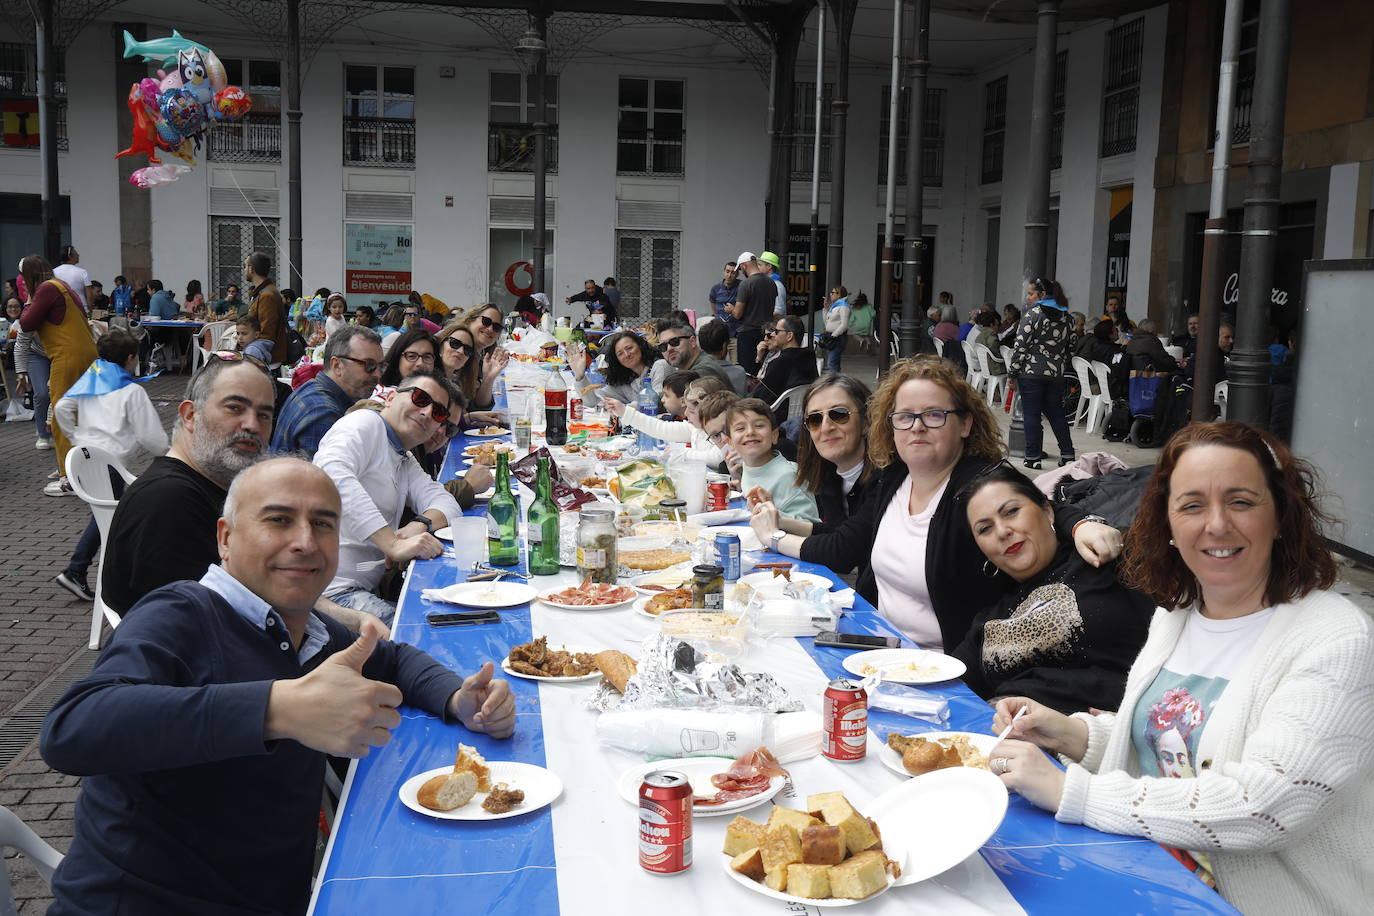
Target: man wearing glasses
(680,348)
(415,318)
(367,455)
(352,368)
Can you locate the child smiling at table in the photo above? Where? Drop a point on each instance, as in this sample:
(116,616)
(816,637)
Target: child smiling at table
(753,435)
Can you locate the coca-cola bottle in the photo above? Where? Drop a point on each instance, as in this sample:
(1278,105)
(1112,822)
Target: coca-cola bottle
(555,409)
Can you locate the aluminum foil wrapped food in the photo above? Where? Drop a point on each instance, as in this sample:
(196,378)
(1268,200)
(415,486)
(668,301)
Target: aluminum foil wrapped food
(674,675)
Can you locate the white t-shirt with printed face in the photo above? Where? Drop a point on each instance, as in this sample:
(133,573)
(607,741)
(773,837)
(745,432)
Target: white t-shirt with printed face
(899,565)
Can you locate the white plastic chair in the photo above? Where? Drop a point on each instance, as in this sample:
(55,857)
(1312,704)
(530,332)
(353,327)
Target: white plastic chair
(1086,398)
(1103,408)
(995,381)
(792,397)
(972,373)
(1219,397)
(16,834)
(88,470)
(213,332)
(939,346)
(1175,352)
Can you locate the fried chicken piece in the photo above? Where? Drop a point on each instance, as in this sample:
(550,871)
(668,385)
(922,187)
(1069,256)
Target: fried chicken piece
(530,652)
(785,574)
(502,798)
(526,668)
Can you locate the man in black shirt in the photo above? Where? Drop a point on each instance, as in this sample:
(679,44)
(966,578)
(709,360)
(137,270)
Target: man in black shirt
(753,309)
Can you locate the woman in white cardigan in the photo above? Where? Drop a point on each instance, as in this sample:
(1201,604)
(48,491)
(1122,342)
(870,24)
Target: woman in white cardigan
(1245,740)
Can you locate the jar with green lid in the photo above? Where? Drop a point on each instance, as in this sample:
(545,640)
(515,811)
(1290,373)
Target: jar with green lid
(596,558)
(708,587)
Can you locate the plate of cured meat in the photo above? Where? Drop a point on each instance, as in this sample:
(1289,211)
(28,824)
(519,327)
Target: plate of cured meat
(589,596)
(719,786)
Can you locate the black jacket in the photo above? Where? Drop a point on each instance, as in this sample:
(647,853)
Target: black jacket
(790,368)
(1145,350)
(958,589)
(1065,637)
(832,503)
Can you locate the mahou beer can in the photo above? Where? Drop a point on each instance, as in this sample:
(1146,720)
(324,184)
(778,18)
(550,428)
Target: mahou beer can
(717,492)
(575,406)
(665,823)
(844,714)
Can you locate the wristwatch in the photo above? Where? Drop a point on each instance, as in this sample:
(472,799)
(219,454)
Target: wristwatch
(426,521)
(774,538)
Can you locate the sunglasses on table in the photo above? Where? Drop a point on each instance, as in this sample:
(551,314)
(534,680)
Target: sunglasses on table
(455,344)
(422,399)
(673,341)
(930,419)
(838,415)
(370,366)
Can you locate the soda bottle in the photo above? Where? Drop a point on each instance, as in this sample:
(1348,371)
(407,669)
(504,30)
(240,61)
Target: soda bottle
(555,409)
(647,402)
(503,519)
(542,529)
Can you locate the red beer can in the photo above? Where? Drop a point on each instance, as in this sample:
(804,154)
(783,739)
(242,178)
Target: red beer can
(665,823)
(844,714)
(575,407)
(717,492)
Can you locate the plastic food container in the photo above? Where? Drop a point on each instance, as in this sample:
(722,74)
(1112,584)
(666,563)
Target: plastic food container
(720,635)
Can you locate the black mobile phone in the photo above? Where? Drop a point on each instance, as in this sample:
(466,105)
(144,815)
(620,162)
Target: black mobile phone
(462,618)
(857,641)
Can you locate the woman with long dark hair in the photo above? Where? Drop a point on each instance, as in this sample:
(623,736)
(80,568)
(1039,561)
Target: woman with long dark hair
(628,359)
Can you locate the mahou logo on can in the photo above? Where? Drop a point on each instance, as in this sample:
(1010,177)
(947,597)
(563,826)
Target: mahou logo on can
(665,823)
(844,714)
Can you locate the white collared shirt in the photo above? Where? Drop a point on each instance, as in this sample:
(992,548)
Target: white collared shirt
(259,613)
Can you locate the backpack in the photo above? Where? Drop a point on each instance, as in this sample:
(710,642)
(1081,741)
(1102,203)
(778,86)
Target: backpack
(295,347)
(1118,421)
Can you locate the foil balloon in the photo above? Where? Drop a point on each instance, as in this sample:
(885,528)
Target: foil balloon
(231,103)
(154,175)
(182,112)
(144,138)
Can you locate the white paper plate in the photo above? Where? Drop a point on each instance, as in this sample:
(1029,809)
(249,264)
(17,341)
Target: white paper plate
(759,887)
(893,760)
(933,823)
(699,771)
(540,786)
(581,607)
(487,594)
(475,434)
(748,540)
(651,578)
(771,586)
(640,605)
(505,666)
(500,447)
(893,664)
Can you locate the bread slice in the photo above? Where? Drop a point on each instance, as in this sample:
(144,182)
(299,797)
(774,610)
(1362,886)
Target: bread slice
(447,791)
(822,844)
(469,761)
(742,834)
(616,667)
(859,876)
(749,863)
(812,881)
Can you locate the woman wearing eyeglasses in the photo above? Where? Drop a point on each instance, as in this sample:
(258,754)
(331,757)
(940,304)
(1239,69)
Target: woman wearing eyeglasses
(484,323)
(1066,632)
(929,433)
(785,363)
(415,350)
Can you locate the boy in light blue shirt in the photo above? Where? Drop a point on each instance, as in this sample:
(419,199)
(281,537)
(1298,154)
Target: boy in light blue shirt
(753,434)
(248,328)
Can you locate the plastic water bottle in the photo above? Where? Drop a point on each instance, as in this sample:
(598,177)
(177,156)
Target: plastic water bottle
(647,402)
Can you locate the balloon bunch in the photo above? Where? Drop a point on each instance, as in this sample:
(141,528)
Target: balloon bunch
(173,112)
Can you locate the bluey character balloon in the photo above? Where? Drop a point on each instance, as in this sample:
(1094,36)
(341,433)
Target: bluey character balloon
(195,76)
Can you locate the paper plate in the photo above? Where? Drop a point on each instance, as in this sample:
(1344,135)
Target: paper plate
(662,577)
(505,666)
(906,666)
(698,771)
(507,447)
(893,760)
(486,594)
(540,786)
(582,607)
(771,586)
(478,434)
(933,823)
(759,887)
(642,603)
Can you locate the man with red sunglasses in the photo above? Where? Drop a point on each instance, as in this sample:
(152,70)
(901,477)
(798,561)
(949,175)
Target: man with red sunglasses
(367,455)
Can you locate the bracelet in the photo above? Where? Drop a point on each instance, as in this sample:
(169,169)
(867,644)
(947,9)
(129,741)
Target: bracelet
(1073,532)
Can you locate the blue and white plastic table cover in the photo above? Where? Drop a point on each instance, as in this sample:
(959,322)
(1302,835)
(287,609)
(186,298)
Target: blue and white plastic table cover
(578,856)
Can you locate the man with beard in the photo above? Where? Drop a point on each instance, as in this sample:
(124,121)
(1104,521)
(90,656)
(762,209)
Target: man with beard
(267,304)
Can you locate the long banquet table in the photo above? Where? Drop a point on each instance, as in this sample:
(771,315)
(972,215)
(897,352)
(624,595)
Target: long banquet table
(578,856)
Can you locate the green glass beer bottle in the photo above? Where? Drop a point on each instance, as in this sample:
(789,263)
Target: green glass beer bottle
(542,530)
(503,519)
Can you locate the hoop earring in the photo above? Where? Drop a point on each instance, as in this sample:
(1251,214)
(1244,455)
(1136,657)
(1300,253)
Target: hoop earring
(995,570)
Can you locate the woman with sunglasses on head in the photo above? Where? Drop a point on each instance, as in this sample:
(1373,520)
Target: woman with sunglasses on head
(785,362)
(1245,739)
(415,350)
(1066,631)
(484,323)
(929,433)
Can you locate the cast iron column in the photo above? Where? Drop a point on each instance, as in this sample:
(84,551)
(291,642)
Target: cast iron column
(1038,148)
(915,250)
(1206,353)
(839,106)
(1249,368)
(541,149)
(814,253)
(894,100)
(47,136)
(293,142)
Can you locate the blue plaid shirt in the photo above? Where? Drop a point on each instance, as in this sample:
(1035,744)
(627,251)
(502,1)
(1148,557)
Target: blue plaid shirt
(308,414)
(722,297)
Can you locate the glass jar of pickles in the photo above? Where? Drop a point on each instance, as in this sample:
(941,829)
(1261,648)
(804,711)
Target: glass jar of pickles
(673,510)
(596,534)
(708,587)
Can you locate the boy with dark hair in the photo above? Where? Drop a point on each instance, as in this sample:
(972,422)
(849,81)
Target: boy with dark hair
(250,340)
(765,474)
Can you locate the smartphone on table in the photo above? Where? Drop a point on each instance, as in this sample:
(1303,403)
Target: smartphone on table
(462,618)
(858,641)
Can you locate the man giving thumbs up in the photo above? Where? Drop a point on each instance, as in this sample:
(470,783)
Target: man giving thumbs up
(202,729)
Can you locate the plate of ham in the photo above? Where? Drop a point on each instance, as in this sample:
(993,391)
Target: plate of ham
(719,786)
(589,596)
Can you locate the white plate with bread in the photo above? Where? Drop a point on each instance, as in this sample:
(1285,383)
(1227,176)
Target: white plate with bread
(458,792)
(698,771)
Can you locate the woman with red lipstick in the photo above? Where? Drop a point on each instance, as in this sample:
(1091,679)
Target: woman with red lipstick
(1067,632)
(1245,739)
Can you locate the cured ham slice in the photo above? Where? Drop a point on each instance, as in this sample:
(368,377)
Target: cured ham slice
(748,775)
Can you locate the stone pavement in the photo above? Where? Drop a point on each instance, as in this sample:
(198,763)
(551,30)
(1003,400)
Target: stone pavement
(42,628)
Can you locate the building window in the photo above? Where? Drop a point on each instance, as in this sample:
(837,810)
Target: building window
(1061,84)
(804,132)
(933,146)
(1121,94)
(379,116)
(650,132)
(257,138)
(994,246)
(646,268)
(232,240)
(994,129)
(1244,95)
(510,123)
(19,96)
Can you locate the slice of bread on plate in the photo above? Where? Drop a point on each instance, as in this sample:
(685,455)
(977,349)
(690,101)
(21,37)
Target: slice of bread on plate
(447,791)
(469,761)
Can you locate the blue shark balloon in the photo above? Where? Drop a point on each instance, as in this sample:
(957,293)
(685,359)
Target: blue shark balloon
(163,50)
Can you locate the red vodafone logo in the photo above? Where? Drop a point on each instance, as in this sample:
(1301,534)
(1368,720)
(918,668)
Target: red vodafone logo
(514,269)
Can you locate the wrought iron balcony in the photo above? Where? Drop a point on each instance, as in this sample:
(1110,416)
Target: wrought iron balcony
(510,148)
(383,142)
(646,153)
(257,138)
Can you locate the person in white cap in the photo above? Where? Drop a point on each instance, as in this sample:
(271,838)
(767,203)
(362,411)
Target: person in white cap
(753,308)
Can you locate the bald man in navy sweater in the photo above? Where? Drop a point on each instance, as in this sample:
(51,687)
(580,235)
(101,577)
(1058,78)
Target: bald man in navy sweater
(203,729)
